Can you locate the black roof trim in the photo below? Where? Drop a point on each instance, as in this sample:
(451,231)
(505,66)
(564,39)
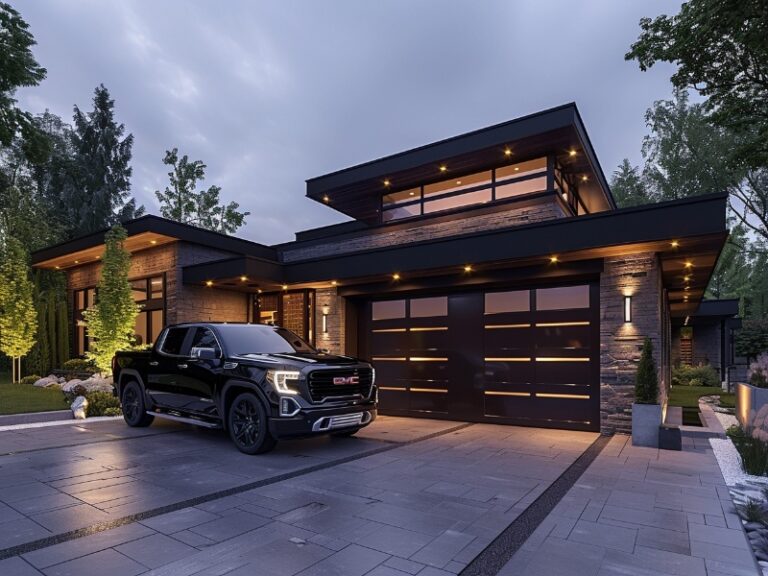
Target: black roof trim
(723,307)
(648,223)
(159,225)
(499,134)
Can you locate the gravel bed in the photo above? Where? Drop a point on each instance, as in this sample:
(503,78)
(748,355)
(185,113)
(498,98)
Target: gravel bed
(726,420)
(730,464)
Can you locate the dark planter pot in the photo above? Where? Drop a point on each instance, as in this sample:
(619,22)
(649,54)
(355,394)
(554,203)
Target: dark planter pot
(670,438)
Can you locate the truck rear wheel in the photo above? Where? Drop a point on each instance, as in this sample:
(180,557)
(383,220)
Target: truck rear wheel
(248,425)
(134,409)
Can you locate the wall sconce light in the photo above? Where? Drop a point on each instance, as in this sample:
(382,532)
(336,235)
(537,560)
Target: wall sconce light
(326,311)
(627,308)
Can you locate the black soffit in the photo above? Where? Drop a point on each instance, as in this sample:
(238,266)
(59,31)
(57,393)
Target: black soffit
(356,191)
(698,224)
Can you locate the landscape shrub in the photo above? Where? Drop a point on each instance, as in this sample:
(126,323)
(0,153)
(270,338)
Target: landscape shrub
(703,375)
(753,510)
(99,403)
(79,365)
(753,452)
(78,390)
(31,379)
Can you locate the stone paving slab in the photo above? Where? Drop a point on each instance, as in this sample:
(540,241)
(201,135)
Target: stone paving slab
(641,511)
(428,507)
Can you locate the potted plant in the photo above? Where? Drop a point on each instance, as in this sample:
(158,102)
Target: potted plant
(751,397)
(646,410)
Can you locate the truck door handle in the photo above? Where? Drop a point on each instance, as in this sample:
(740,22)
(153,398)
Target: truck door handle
(181,366)
(154,363)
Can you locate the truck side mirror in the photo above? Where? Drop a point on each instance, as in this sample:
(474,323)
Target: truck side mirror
(204,353)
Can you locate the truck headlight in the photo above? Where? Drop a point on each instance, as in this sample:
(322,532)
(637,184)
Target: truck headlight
(279,379)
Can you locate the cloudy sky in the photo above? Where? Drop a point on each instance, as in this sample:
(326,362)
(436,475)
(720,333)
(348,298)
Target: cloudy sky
(272,93)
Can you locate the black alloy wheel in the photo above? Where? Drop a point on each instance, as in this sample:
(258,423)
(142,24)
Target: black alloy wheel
(248,425)
(134,409)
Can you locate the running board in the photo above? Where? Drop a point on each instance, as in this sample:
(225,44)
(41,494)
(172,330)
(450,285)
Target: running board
(182,419)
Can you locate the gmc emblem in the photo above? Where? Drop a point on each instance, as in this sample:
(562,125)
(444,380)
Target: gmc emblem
(341,380)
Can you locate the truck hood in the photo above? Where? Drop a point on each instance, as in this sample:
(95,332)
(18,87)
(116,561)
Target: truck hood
(300,358)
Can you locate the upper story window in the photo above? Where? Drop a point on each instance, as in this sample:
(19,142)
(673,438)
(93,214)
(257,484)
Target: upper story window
(467,190)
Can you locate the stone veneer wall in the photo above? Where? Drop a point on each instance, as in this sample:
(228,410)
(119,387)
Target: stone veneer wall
(383,237)
(334,340)
(621,343)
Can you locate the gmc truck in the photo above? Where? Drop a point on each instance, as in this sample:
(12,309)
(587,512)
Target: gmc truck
(258,382)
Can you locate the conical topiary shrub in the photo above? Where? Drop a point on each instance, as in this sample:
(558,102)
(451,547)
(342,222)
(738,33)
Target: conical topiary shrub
(647,383)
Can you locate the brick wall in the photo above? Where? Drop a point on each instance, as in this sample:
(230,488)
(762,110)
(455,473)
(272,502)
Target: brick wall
(621,343)
(382,237)
(334,340)
(200,303)
(183,303)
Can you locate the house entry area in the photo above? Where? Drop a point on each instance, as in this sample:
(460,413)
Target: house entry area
(522,356)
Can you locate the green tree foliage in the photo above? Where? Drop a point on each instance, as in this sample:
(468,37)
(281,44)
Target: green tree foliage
(182,202)
(628,186)
(62,332)
(101,173)
(111,321)
(18,68)
(752,339)
(731,278)
(719,48)
(646,382)
(18,318)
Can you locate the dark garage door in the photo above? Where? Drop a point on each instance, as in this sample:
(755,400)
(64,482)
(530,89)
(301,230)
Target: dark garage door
(526,356)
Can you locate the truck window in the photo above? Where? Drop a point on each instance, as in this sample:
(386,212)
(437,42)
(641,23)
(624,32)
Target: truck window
(204,338)
(173,341)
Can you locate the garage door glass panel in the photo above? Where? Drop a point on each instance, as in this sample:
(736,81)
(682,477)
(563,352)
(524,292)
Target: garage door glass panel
(503,372)
(568,337)
(562,298)
(388,310)
(503,302)
(429,307)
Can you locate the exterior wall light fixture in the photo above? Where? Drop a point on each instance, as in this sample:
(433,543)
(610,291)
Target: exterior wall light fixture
(326,311)
(627,308)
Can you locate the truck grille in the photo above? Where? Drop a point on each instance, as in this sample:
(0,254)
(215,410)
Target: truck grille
(322,386)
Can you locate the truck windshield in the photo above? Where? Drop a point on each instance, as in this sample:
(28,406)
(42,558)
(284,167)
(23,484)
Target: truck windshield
(242,339)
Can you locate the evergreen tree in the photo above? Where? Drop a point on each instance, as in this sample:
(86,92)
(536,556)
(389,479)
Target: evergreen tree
(731,277)
(647,383)
(62,332)
(18,68)
(182,202)
(101,170)
(18,318)
(111,321)
(628,186)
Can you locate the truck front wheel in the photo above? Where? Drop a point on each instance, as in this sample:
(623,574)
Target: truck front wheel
(134,409)
(248,425)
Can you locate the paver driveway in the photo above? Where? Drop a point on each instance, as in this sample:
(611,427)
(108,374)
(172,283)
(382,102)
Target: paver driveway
(407,496)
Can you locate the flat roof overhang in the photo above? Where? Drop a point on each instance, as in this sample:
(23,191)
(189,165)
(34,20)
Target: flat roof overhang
(144,232)
(696,226)
(356,191)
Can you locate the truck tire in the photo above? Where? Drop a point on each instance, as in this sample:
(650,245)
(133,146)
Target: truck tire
(248,425)
(134,409)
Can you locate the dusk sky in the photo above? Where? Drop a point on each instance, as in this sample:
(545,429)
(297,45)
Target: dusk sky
(269,94)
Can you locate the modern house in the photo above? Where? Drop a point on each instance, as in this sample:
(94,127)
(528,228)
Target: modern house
(488,277)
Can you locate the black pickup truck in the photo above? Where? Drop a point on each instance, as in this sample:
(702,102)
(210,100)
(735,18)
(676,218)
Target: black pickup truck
(260,383)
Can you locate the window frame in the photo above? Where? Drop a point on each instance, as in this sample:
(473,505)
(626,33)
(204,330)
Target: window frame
(310,316)
(552,170)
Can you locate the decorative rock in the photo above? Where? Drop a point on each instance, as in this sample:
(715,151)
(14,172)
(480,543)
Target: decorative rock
(44,382)
(79,407)
(97,384)
(70,385)
(751,526)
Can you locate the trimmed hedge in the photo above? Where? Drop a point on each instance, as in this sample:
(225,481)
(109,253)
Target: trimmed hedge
(695,376)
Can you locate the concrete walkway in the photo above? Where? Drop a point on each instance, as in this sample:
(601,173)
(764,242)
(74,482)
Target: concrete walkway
(641,511)
(409,496)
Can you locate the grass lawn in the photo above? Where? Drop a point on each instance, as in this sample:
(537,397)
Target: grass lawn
(20,398)
(688,398)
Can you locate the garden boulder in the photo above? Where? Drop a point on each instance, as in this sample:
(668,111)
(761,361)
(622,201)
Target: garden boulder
(70,385)
(45,382)
(79,407)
